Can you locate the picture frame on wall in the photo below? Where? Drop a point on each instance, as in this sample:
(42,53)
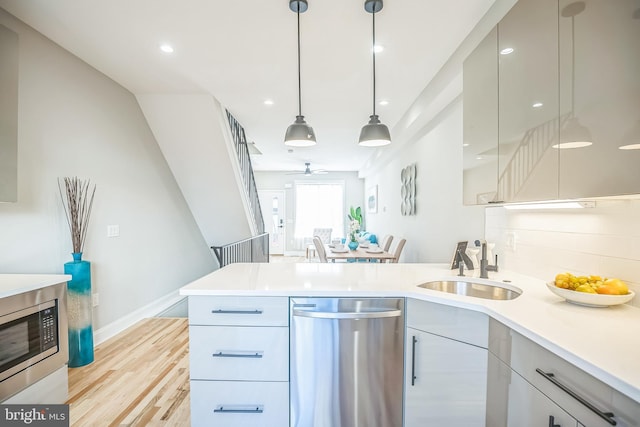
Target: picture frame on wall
(372,199)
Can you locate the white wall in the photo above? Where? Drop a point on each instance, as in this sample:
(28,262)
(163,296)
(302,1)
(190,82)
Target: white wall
(190,130)
(74,121)
(353,190)
(603,241)
(441,219)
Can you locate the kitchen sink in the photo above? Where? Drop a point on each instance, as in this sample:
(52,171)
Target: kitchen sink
(471,289)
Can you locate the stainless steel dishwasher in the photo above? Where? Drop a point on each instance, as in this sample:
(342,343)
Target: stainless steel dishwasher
(347,358)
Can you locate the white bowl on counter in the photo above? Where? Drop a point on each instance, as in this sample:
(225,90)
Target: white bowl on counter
(590,300)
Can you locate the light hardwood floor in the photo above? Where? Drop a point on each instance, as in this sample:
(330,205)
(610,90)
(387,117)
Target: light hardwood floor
(139,378)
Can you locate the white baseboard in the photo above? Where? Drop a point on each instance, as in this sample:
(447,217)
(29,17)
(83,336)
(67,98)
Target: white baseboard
(149,310)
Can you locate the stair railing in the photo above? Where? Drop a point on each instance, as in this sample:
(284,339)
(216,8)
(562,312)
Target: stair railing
(246,170)
(253,249)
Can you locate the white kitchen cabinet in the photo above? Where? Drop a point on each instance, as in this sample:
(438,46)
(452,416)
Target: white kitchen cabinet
(238,353)
(446,381)
(533,371)
(240,404)
(512,401)
(446,376)
(239,357)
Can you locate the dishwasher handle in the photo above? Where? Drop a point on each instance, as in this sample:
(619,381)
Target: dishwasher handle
(374,314)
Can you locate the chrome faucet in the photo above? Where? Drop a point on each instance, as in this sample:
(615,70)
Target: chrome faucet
(485,267)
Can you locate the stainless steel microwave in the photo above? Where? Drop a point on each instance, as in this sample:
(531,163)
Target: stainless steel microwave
(33,337)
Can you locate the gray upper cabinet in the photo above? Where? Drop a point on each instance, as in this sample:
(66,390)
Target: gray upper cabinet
(565,99)
(480,112)
(600,88)
(8,115)
(528,102)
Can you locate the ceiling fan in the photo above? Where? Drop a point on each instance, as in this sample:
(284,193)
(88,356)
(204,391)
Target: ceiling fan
(308,171)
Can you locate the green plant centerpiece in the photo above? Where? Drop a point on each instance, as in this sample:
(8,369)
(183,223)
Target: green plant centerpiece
(355,216)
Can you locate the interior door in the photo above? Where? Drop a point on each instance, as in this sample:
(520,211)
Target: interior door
(273,211)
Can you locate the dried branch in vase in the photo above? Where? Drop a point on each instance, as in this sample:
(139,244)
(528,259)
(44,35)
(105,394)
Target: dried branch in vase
(77,200)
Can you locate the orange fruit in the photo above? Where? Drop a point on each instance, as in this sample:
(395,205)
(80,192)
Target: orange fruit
(613,287)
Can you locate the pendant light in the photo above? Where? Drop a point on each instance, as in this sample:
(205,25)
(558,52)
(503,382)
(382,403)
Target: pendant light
(299,134)
(374,133)
(573,134)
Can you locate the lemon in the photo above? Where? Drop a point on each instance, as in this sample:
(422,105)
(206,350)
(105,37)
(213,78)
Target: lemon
(586,288)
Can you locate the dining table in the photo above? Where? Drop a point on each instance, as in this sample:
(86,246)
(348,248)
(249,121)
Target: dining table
(360,253)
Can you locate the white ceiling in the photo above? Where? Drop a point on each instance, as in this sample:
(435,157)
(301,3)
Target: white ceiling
(244,52)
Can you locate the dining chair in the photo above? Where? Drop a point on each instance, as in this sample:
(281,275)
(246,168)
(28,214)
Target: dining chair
(398,250)
(324,234)
(322,254)
(385,244)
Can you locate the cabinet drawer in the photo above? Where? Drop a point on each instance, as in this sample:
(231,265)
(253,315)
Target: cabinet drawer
(239,311)
(451,322)
(239,353)
(512,401)
(527,357)
(239,404)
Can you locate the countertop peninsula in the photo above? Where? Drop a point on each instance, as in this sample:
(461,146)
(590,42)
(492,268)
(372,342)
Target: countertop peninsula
(601,341)
(13,284)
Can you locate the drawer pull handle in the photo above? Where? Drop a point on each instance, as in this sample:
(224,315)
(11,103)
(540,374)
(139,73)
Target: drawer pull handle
(552,422)
(221,311)
(413,360)
(607,416)
(376,314)
(239,409)
(243,354)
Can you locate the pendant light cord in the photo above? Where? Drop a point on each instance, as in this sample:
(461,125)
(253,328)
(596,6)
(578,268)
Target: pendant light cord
(373,48)
(573,65)
(299,85)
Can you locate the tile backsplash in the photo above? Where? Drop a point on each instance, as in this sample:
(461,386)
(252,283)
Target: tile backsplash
(604,240)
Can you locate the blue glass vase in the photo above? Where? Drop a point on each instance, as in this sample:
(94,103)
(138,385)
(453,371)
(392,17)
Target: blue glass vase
(353,245)
(79,311)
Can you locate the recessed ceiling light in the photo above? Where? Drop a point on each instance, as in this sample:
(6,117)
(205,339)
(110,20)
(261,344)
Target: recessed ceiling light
(630,147)
(479,158)
(506,51)
(378,48)
(268,102)
(569,145)
(383,102)
(537,105)
(166,48)
(465,145)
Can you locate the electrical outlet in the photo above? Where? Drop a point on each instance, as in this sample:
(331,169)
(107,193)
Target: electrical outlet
(113,230)
(95,299)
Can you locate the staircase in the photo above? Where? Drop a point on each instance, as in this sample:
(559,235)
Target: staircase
(206,150)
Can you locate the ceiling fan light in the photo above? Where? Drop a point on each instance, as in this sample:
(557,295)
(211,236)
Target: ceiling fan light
(374,133)
(300,134)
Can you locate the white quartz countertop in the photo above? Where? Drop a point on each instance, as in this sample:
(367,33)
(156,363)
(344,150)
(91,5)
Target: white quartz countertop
(604,342)
(13,284)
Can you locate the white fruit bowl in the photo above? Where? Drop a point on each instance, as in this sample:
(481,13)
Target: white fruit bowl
(590,300)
